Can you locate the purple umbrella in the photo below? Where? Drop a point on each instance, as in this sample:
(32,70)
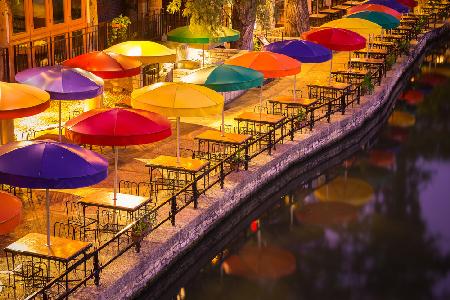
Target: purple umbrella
(63,83)
(50,165)
(391,4)
(303,51)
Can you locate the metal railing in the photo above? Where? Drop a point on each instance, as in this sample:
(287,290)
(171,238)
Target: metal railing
(167,209)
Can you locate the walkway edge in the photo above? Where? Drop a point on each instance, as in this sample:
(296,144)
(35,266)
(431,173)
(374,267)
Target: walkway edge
(130,274)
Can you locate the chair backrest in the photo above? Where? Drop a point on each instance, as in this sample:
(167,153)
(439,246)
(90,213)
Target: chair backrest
(262,39)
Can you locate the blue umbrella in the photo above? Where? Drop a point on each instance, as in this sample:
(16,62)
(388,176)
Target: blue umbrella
(391,4)
(50,165)
(303,51)
(63,83)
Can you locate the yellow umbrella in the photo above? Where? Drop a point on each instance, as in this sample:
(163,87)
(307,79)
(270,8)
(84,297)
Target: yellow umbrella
(361,26)
(178,100)
(145,51)
(352,191)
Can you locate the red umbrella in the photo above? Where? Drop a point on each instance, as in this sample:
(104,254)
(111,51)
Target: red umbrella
(10,212)
(117,127)
(336,39)
(106,65)
(409,3)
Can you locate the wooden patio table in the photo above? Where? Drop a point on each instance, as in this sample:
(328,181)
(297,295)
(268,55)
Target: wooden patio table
(35,253)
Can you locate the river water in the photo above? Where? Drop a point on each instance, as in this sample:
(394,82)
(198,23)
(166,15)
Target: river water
(376,226)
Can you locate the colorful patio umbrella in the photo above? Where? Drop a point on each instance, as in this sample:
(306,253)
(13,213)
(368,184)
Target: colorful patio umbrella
(145,51)
(408,3)
(375,7)
(106,65)
(225,78)
(326,213)
(10,212)
(303,51)
(271,65)
(256,263)
(50,165)
(391,4)
(117,127)
(386,21)
(348,190)
(21,100)
(178,100)
(336,39)
(198,35)
(358,25)
(184,34)
(63,83)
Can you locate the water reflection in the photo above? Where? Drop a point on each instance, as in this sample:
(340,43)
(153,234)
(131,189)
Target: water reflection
(376,227)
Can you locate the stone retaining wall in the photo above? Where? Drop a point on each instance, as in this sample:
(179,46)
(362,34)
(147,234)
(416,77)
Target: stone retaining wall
(130,274)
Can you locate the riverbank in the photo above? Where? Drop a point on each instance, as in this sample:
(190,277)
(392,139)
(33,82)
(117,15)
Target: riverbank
(131,273)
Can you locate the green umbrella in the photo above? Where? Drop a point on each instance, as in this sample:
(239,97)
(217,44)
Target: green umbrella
(385,20)
(186,35)
(225,78)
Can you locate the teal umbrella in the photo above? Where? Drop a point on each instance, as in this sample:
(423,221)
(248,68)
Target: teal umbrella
(201,36)
(225,78)
(385,20)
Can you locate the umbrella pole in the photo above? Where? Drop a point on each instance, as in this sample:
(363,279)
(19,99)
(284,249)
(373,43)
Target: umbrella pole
(47,204)
(223,121)
(331,69)
(178,139)
(59,124)
(203,49)
(295,87)
(116,160)
(260,100)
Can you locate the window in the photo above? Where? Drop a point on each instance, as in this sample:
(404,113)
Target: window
(75,9)
(58,11)
(39,14)
(18,16)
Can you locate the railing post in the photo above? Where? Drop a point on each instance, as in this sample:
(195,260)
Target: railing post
(329,111)
(195,193)
(343,102)
(358,94)
(270,143)
(246,157)
(222,176)
(292,128)
(311,120)
(96,269)
(173,209)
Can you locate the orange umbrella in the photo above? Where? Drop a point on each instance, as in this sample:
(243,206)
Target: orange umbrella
(10,212)
(21,100)
(255,262)
(271,65)
(327,213)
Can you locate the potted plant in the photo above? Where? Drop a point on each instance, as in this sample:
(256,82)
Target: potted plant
(390,60)
(236,160)
(142,228)
(367,85)
(119,30)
